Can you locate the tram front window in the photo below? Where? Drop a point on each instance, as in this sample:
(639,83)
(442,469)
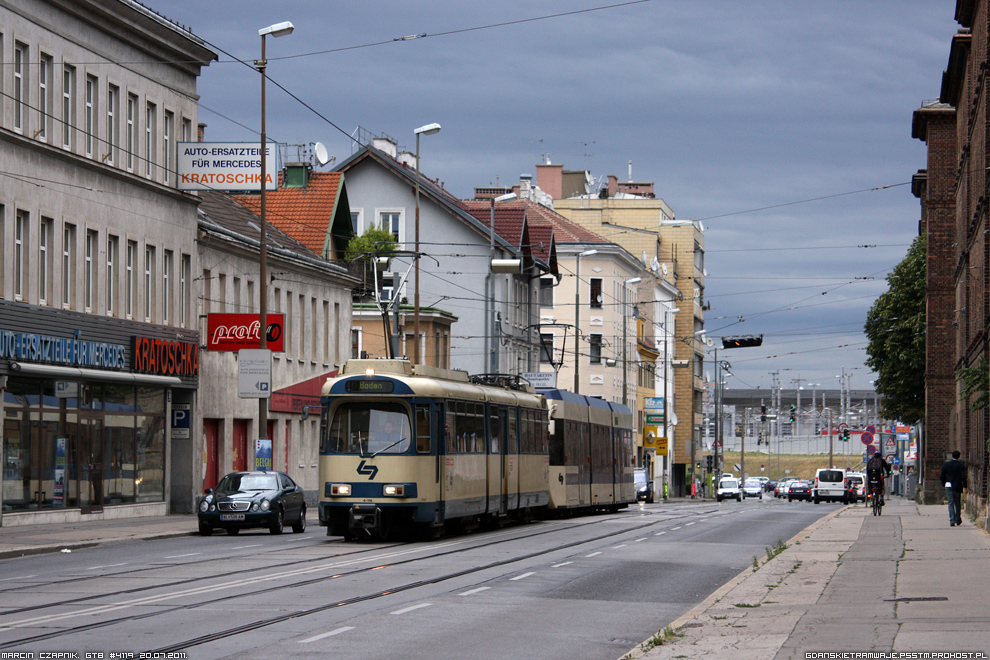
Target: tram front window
(369,429)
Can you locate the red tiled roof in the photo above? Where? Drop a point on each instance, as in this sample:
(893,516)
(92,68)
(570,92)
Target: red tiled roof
(306,213)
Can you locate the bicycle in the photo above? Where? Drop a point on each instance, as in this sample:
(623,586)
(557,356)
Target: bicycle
(876,497)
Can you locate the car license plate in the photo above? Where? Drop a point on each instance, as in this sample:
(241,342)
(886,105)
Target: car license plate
(231,516)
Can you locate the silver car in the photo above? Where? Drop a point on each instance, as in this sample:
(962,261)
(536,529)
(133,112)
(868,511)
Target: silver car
(753,487)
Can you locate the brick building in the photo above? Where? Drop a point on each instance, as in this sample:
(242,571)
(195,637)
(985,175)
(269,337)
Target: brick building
(953,194)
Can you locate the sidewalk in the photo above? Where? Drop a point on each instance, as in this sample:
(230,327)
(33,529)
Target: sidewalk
(904,581)
(23,540)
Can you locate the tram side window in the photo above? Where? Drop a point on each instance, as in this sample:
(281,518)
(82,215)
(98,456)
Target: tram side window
(451,424)
(513,431)
(494,424)
(422,429)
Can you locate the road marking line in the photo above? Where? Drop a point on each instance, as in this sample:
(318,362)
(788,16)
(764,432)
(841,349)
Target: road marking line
(23,577)
(593,554)
(410,609)
(94,568)
(242,547)
(328,634)
(564,563)
(659,533)
(524,575)
(689,524)
(191,554)
(674,528)
(474,591)
(639,540)
(616,547)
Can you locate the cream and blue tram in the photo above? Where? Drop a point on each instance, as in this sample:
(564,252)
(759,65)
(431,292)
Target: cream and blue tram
(413,448)
(592,452)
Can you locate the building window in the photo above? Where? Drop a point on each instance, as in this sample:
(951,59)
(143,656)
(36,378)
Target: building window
(546,291)
(113,101)
(44,260)
(185,270)
(355,343)
(546,348)
(20,97)
(113,244)
(150,140)
(390,221)
(68,104)
(595,349)
(596,293)
(166,287)
(89,277)
(68,264)
(131,130)
(20,245)
(44,96)
(167,137)
(91,86)
(129,275)
(186,130)
(149,282)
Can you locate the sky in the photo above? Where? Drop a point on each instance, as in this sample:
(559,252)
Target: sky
(784,127)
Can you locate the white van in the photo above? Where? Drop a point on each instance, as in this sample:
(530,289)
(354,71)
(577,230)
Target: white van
(829,486)
(729,487)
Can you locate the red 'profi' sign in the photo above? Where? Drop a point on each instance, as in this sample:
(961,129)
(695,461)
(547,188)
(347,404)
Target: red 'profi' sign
(232,332)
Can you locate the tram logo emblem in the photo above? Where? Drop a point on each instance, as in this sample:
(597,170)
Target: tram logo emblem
(370,470)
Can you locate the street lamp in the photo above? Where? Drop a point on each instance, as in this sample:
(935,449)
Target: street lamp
(276,30)
(429,129)
(625,341)
(577,313)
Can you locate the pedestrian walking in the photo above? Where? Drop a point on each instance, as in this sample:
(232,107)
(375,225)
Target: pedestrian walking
(954,479)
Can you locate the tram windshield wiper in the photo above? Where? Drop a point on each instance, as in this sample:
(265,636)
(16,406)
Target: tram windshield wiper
(400,440)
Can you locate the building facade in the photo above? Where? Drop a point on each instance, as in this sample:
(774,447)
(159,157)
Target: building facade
(99,342)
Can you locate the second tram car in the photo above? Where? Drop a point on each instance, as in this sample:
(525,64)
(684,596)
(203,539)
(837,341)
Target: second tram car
(414,448)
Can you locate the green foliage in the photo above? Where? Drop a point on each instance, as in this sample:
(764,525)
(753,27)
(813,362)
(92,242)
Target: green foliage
(975,382)
(895,327)
(375,241)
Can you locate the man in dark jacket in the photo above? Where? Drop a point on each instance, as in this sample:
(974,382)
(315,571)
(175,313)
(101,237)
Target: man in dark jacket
(954,479)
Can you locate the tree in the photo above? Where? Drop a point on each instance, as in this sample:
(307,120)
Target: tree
(375,241)
(895,326)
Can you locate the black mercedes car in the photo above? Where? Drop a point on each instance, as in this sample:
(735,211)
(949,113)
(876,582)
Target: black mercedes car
(799,490)
(244,500)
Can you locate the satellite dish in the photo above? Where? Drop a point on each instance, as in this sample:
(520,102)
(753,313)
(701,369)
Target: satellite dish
(655,264)
(664,269)
(322,157)
(710,342)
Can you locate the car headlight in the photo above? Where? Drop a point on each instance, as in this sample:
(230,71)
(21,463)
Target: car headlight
(254,506)
(204,506)
(265,505)
(340,490)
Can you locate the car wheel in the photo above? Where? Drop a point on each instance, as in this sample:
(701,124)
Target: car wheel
(718,498)
(278,523)
(300,525)
(788,498)
(817,501)
(205,529)
(232,531)
(739,498)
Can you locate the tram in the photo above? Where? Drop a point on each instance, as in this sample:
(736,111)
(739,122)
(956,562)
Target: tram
(411,449)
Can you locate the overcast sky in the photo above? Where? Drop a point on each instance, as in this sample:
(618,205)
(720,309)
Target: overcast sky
(784,126)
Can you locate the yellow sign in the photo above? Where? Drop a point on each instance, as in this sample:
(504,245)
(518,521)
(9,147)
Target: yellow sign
(653,440)
(661,446)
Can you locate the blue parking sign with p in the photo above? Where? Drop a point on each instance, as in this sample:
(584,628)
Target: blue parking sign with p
(181,420)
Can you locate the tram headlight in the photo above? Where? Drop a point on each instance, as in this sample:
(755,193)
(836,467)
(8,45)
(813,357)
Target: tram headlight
(394,490)
(340,490)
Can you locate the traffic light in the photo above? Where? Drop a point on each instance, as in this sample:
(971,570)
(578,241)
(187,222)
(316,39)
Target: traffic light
(845,435)
(741,342)
(763,413)
(793,414)
(708,460)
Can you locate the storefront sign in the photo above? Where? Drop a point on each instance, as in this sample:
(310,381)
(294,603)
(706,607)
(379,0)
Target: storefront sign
(167,357)
(60,350)
(225,166)
(232,332)
(263,454)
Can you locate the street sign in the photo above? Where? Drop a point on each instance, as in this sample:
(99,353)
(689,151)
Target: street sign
(254,373)
(866,437)
(654,418)
(653,403)
(889,443)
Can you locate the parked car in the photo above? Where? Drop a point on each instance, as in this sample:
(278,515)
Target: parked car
(644,486)
(799,490)
(242,500)
(729,488)
(855,487)
(829,485)
(753,487)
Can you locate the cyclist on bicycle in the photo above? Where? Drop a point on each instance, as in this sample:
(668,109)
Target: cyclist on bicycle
(876,469)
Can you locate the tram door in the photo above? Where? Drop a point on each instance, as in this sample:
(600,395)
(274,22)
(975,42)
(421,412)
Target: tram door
(90,448)
(503,459)
(497,502)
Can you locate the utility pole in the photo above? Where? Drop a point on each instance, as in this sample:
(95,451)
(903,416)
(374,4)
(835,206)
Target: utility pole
(796,427)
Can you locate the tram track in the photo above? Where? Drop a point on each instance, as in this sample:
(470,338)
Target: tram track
(300,570)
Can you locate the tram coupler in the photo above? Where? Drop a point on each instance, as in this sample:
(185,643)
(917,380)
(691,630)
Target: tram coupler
(365,518)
